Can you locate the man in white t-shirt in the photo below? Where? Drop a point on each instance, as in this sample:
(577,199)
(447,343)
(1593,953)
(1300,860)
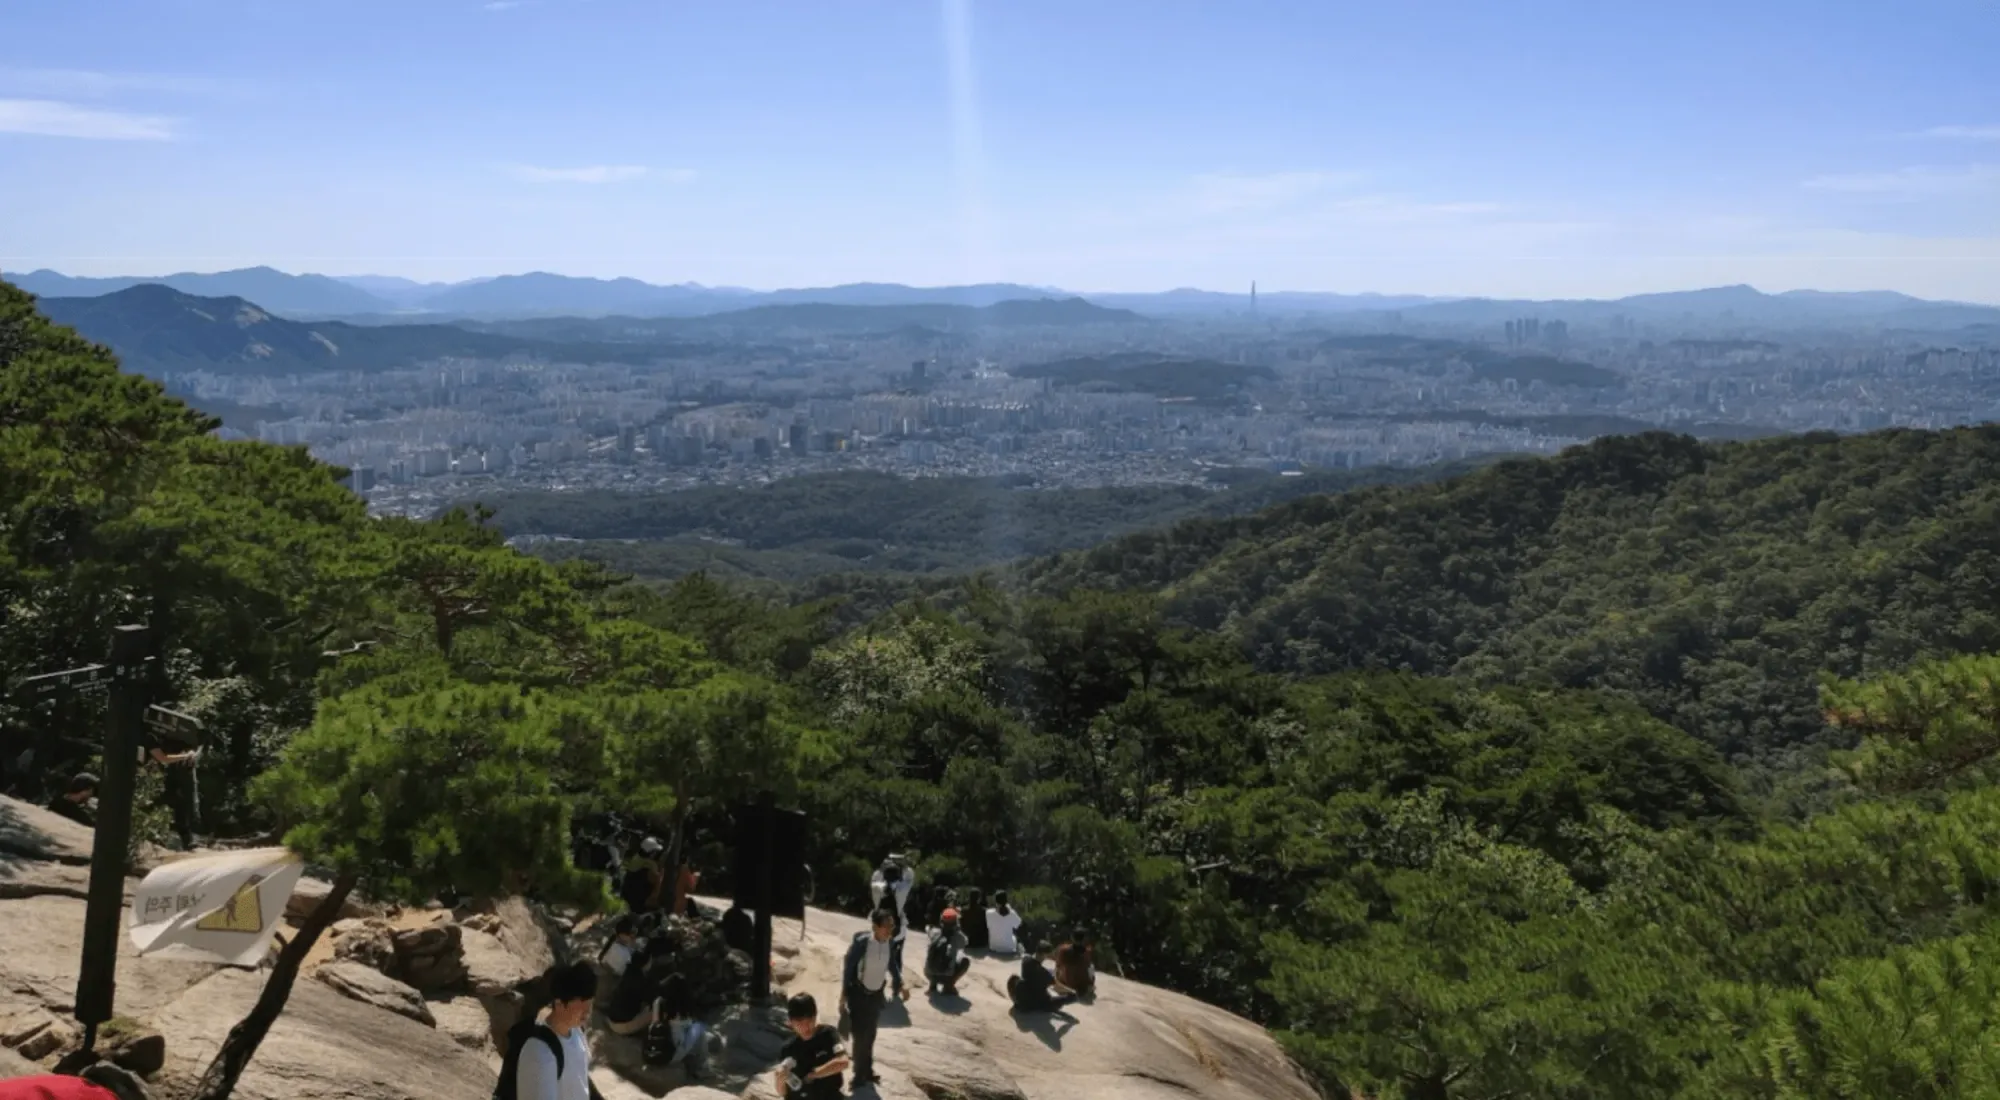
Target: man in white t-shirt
(1002,921)
(538,1077)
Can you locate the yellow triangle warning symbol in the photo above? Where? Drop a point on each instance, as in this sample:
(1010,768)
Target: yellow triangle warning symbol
(242,913)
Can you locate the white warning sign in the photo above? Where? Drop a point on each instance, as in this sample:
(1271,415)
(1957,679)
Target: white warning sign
(217,908)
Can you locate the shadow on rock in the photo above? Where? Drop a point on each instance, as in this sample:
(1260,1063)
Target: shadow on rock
(1044,1026)
(951,1004)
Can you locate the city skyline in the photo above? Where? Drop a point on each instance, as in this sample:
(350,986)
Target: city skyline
(1553,151)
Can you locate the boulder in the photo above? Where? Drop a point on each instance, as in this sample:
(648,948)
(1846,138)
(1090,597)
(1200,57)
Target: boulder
(431,957)
(945,1065)
(35,833)
(527,933)
(307,895)
(21,877)
(465,1019)
(47,1039)
(13,1065)
(613,1087)
(324,1046)
(143,1051)
(372,987)
(44,944)
(366,942)
(41,1037)
(491,969)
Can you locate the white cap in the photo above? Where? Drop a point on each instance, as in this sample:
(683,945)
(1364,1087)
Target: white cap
(650,845)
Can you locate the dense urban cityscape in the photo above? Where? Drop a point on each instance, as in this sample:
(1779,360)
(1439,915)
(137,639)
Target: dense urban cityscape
(1084,406)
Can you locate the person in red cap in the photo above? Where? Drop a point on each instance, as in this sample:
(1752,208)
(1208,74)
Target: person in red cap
(946,961)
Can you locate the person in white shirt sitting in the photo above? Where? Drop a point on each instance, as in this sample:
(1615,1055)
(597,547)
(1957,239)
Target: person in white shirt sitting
(1003,923)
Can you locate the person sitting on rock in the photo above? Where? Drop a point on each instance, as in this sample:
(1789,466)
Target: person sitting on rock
(946,961)
(972,918)
(813,1058)
(1076,971)
(1032,990)
(79,801)
(623,945)
(631,1007)
(942,898)
(1003,925)
(676,1037)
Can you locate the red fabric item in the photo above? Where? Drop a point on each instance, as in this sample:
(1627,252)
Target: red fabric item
(949,914)
(52,1087)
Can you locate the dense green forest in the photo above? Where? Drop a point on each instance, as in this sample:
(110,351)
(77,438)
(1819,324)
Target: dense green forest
(1429,779)
(1710,583)
(797,528)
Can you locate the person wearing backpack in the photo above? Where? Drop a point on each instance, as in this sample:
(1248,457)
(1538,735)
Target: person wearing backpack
(872,970)
(550,1060)
(946,961)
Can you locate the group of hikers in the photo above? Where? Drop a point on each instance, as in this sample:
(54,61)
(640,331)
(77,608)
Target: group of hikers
(872,973)
(547,1056)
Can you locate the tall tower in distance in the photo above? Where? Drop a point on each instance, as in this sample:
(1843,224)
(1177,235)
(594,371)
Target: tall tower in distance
(1253,295)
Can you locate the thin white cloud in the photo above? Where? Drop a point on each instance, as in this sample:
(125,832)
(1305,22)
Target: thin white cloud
(594,173)
(1225,193)
(51,118)
(601,173)
(1913,182)
(87,84)
(1963,133)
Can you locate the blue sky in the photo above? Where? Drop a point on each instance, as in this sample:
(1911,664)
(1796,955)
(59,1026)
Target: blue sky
(1533,149)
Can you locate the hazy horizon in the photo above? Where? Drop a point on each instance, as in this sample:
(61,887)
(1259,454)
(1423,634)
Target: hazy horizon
(1262,290)
(1557,149)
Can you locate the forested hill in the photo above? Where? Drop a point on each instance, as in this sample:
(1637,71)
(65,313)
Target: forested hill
(798,528)
(1712,583)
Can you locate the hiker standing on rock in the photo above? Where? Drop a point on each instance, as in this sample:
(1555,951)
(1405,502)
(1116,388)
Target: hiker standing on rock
(873,968)
(891,887)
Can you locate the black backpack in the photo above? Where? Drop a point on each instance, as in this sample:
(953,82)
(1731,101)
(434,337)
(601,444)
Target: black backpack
(518,1037)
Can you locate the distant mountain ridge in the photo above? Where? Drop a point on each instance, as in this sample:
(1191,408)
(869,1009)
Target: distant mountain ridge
(270,288)
(156,329)
(540,294)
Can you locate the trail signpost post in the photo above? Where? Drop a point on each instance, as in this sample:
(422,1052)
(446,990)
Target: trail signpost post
(124,674)
(770,878)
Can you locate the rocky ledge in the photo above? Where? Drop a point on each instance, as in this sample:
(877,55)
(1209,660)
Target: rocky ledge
(404,1004)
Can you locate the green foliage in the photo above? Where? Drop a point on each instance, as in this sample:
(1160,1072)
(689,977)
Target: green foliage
(415,789)
(1712,584)
(797,529)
